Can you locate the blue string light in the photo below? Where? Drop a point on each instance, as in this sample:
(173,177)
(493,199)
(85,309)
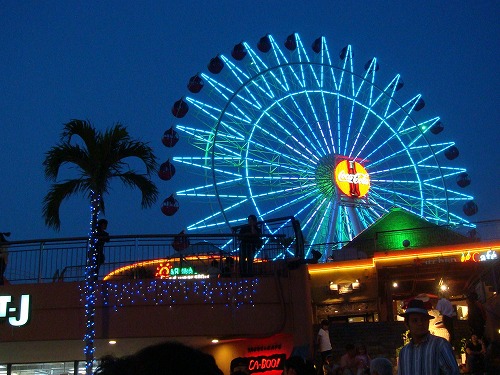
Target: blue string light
(90,285)
(169,292)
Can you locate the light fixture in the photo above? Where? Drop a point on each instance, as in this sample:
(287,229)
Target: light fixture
(112,342)
(334,286)
(215,341)
(356,284)
(442,286)
(395,284)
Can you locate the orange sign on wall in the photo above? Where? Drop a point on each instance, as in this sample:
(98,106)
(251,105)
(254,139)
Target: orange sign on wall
(352,179)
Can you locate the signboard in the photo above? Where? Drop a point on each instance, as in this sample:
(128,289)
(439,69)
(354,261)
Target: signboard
(253,365)
(476,256)
(352,179)
(17,316)
(166,271)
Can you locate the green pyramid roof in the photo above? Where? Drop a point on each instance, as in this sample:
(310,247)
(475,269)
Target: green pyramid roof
(390,231)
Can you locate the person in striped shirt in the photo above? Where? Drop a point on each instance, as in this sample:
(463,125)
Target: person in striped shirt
(425,354)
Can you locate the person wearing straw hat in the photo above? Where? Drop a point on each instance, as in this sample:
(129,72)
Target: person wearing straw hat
(425,354)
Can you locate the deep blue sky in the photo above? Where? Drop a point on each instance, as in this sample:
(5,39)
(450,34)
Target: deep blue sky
(128,61)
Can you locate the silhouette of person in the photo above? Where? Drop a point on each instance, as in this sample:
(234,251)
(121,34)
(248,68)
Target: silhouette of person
(380,366)
(4,254)
(445,308)
(250,241)
(476,316)
(101,238)
(161,359)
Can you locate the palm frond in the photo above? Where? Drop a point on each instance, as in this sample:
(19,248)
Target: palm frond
(141,151)
(56,195)
(81,128)
(65,153)
(148,189)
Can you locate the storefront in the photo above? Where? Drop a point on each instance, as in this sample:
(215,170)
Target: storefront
(374,289)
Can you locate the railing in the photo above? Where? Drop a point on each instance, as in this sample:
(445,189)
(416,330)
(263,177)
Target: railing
(52,260)
(49,260)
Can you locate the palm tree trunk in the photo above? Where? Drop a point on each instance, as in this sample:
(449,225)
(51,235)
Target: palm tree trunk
(90,284)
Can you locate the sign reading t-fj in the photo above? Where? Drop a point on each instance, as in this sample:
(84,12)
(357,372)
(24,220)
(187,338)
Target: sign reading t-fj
(17,314)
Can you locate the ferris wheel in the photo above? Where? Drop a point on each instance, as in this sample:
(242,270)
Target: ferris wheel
(289,130)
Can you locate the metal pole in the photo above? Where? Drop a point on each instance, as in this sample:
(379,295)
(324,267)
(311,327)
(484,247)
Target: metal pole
(40,262)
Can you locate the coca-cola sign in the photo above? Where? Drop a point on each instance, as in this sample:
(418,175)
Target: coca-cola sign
(352,179)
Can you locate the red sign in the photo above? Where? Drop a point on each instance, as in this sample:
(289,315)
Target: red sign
(252,365)
(352,179)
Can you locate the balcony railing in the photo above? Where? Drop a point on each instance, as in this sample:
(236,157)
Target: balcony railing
(51,260)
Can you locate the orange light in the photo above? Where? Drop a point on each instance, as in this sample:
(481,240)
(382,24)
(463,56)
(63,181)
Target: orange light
(401,255)
(352,178)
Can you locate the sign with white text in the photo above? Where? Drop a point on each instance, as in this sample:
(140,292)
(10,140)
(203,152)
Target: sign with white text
(18,314)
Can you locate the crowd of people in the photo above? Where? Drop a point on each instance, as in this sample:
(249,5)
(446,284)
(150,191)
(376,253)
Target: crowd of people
(354,361)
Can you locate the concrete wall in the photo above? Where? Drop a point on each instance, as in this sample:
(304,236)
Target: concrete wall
(142,312)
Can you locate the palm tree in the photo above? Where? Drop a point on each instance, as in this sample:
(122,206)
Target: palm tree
(98,159)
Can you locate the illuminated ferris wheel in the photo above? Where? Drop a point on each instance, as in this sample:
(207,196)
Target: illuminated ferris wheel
(293,131)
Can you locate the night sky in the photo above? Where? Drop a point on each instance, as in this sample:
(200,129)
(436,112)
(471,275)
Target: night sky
(129,61)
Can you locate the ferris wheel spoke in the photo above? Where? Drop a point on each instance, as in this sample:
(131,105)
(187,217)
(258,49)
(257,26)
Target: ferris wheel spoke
(378,148)
(303,57)
(260,90)
(291,190)
(306,123)
(328,125)
(277,171)
(346,68)
(291,121)
(359,132)
(418,131)
(452,172)
(223,91)
(456,195)
(324,58)
(391,181)
(293,153)
(404,111)
(318,125)
(208,190)
(317,208)
(368,141)
(440,147)
(289,135)
(376,209)
(410,200)
(390,91)
(317,234)
(283,64)
(201,137)
(186,160)
(308,196)
(210,220)
(214,114)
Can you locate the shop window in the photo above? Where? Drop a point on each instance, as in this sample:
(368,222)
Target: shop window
(462,312)
(59,368)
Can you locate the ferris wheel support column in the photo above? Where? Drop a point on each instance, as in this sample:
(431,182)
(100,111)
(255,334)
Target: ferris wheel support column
(332,224)
(354,220)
